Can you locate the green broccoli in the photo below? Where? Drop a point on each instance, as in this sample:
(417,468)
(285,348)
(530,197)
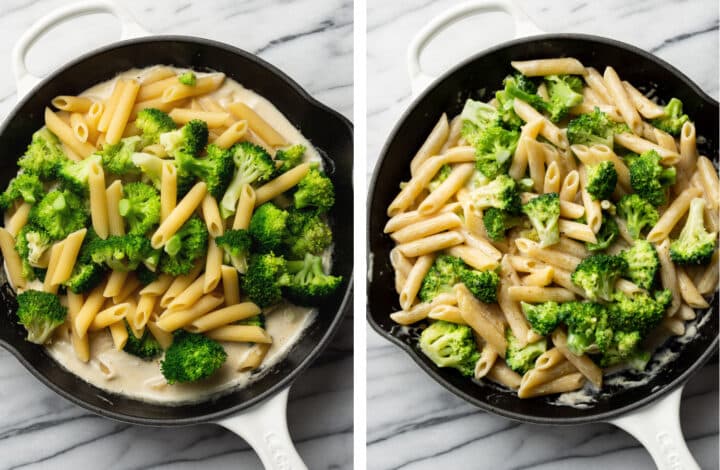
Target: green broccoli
(183,248)
(59,213)
(522,358)
(588,327)
(25,186)
(497,222)
(307,283)
(191,357)
(543,318)
(44,155)
(190,138)
(306,233)
(439,178)
(188,78)
(31,243)
(118,158)
(596,275)
(216,169)
(624,348)
(236,244)
(120,253)
(521,87)
(477,115)
(289,157)
(450,345)
(649,179)
(315,190)
(638,312)
(265,277)
(86,274)
(638,213)
(593,129)
(482,284)
(254,166)
(146,347)
(607,234)
(694,245)
(544,214)
(268,227)
(643,263)
(152,122)
(256,320)
(505,100)
(74,175)
(40,313)
(673,119)
(501,193)
(145,275)
(494,149)
(564,92)
(442,276)
(140,207)
(601,180)
(150,166)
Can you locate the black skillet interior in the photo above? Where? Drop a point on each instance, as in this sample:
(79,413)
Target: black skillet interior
(476,78)
(327,130)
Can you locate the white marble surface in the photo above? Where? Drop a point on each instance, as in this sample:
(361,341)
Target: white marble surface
(414,423)
(41,430)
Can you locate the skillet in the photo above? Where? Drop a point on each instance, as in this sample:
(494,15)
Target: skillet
(656,401)
(257,411)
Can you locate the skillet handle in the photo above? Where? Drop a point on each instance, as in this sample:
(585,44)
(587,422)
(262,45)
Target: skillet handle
(24,80)
(264,427)
(419,80)
(657,427)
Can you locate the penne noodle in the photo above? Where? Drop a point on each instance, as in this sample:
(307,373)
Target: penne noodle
(414,280)
(19,219)
(279,185)
(537,294)
(427,227)
(206,84)
(431,244)
(447,189)
(476,315)
(542,67)
(583,363)
(672,215)
(224,316)
(432,145)
(258,125)
(647,108)
(240,333)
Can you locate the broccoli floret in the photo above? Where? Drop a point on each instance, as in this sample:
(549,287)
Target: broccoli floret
(479,115)
(40,313)
(59,213)
(146,347)
(140,207)
(86,274)
(315,190)
(522,358)
(521,87)
(31,243)
(441,277)
(74,175)
(145,275)
(638,312)
(439,178)
(497,222)
(673,119)
(306,233)
(150,166)
(25,186)
(593,129)
(625,348)
(120,253)
(607,234)
(597,273)
(44,155)
(564,93)
(183,248)
(544,214)
(494,149)
(308,284)
(268,227)
(501,193)
(649,179)
(601,180)
(506,110)
(482,284)
(190,138)
(694,245)
(254,165)
(643,263)
(188,78)
(118,158)
(543,318)
(265,277)
(152,122)
(236,244)
(588,328)
(450,345)
(191,357)
(638,213)
(215,169)
(289,157)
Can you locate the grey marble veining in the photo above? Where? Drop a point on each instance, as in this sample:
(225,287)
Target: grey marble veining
(306,39)
(414,423)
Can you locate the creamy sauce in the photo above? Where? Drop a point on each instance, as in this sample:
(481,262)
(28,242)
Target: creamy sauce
(119,372)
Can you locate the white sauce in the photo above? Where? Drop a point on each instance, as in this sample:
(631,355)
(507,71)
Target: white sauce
(119,372)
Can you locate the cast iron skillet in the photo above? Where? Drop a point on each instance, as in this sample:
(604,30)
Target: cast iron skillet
(474,78)
(327,130)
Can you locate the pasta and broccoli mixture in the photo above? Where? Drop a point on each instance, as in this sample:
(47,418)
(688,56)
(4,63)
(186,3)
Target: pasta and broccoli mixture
(164,215)
(555,232)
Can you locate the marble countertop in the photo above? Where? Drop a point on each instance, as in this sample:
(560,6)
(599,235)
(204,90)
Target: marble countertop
(414,423)
(38,429)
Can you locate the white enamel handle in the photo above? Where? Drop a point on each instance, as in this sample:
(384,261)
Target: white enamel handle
(264,427)
(524,26)
(24,80)
(657,427)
